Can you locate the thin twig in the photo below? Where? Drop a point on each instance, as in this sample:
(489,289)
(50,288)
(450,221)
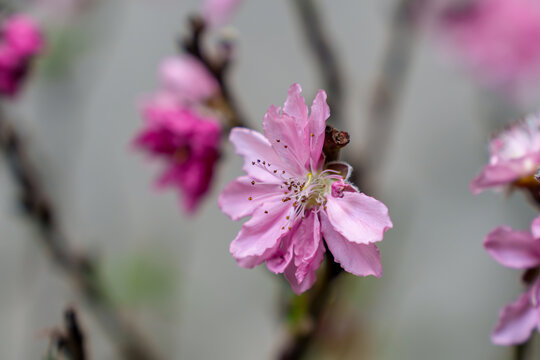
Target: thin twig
(77,266)
(389,83)
(325,55)
(297,346)
(69,340)
(521,350)
(218,67)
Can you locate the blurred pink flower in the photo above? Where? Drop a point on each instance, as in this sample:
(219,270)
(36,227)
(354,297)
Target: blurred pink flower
(218,12)
(21,39)
(187,78)
(294,201)
(517,250)
(499,40)
(23,35)
(514,156)
(188,144)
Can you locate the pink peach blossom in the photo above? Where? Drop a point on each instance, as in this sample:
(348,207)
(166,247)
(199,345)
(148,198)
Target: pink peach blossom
(218,12)
(498,40)
(517,250)
(23,35)
(20,40)
(298,206)
(186,142)
(514,155)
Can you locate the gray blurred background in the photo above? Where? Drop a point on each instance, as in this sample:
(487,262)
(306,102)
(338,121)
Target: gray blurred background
(440,293)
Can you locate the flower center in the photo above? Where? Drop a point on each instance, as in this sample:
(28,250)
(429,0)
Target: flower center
(309,193)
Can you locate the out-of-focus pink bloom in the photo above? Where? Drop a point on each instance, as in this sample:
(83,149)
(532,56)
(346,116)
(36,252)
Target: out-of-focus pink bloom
(295,201)
(514,156)
(22,34)
(517,250)
(499,40)
(218,12)
(20,40)
(187,78)
(188,144)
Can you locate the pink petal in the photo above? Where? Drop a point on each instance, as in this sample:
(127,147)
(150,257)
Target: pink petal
(289,143)
(282,257)
(255,149)
(514,249)
(308,246)
(495,176)
(260,235)
(358,259)
(535,228)
(235,201)
(358,217)
(320,112)
(295,107)
(305,284)
(516,322)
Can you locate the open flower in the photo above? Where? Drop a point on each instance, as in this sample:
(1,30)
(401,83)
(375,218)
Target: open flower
(498,40)
(298,205)
(181,129)
(517,250)
(514,157)
(188,144)
(20,40)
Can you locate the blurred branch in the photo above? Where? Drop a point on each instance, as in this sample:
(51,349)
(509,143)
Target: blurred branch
(521,350)
(218,67)
(70,340)
(77,266)
(325,55)
(390,81)
(319,298)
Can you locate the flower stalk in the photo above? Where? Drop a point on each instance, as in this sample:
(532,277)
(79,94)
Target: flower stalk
(217,66)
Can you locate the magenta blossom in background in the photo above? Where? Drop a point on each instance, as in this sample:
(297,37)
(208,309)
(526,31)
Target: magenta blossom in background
(20,40)
(499,40)
(299,207)
(514,156)
(517,250)
(186,142)
(181,129)
(219,12)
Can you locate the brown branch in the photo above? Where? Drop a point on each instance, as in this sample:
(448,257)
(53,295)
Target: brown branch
(390,82)
(324,54)
(70,340)
(218,67)
(521,350)
(77,266)
(299,341)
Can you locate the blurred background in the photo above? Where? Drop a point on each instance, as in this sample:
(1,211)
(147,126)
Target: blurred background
(172,273)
